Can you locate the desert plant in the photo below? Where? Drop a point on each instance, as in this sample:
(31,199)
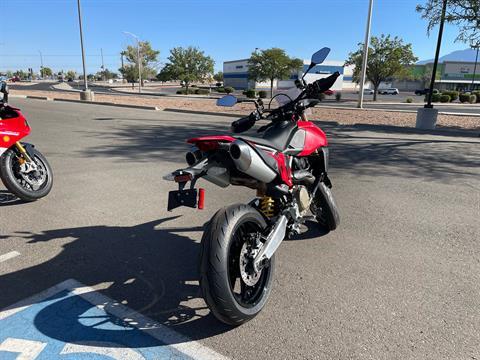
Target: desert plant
(473,99)
(220,89)
(464,97)
(409,100)
(444,98)
(229,89)
(453,94)
(477,93)
(201,91)
(249,93)
(262,94)
(338,96)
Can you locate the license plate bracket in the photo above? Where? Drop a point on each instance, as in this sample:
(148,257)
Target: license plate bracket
(179,198)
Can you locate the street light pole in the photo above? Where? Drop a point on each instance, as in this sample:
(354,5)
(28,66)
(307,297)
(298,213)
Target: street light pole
(365,56)
(41,63)
(138,60)
(437,55)
(475,68)
(85,82)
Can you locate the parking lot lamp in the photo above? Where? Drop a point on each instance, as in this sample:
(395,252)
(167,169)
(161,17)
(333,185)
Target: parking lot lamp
(475,66)
(427,116)
(365,56)
(138,60)
(85,82)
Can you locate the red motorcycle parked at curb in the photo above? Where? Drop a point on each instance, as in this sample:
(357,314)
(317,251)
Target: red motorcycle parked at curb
(287,167)
(23,169)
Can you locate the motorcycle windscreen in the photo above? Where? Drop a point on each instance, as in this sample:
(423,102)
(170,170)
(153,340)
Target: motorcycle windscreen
(289,95)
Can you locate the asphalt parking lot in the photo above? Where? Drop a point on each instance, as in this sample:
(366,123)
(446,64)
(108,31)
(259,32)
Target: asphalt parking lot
(400,278)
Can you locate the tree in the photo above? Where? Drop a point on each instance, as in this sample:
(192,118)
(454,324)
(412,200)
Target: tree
(106,74)
(71,74)
(218,77)
(463,13)
(188,65)
(387,57)
(45,71)
(21,74)
(272,64)
(148,58)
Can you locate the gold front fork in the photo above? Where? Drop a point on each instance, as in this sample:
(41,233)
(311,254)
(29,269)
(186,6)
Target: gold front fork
(23,151)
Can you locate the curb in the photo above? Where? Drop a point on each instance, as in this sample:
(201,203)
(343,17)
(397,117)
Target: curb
(143,107)
(38,97)
(202,112)
(394,110)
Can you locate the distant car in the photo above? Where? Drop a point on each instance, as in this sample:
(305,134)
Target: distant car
(389,91)
(366,92)
(14,79)
(425,91)
(329,92)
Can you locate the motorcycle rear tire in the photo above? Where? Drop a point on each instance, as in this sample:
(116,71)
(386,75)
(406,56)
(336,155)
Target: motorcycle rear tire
(219,242)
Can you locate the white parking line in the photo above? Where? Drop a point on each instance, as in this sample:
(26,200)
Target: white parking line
(166,335)
(9,256)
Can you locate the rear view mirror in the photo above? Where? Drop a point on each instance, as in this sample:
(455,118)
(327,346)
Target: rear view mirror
(320,56)
(227,100)
(4,87)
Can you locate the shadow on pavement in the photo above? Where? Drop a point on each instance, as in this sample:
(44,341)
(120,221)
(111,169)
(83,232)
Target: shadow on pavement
(353,150)
(151,268)
(7,199)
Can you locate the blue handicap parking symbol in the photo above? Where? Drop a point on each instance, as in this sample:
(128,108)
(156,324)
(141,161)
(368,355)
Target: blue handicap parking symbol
(72,324)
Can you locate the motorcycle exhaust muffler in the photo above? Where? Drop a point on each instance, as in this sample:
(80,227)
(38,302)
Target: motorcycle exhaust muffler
(249,162)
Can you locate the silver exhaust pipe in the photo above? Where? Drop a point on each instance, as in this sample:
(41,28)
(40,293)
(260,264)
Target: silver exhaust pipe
(249,162)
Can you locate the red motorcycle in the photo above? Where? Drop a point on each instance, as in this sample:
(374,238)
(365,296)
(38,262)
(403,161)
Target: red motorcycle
(287,167)
(23,169)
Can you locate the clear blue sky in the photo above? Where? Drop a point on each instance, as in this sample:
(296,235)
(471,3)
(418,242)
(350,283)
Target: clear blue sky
(225,30)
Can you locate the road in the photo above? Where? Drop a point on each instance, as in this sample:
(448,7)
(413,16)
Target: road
(399,279)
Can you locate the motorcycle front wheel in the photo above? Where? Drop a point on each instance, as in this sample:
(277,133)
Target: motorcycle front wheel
(233,291)
(28,186)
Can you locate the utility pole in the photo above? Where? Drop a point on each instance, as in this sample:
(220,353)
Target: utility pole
(123,67)
(103,66)
(475,68)
(85,82)
(139,61)
(366,45)
(41,63)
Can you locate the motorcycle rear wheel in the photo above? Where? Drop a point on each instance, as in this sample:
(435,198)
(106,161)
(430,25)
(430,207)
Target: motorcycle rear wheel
(232,291)
(16,183)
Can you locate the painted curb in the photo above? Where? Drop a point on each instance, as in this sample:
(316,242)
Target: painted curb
(198,112)
(39,97)
(143,107)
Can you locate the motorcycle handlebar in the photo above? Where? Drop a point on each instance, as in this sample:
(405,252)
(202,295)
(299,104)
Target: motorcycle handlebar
(243,124)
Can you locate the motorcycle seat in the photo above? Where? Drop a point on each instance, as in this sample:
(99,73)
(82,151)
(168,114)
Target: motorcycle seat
(277,137)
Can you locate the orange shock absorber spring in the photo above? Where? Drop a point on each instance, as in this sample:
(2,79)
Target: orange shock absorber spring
(267,206)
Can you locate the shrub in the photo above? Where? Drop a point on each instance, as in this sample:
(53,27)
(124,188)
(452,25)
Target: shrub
(322,97)
(184,91)
(262,94)
(473,99)
(229,89)
(477,94)
(465,97)
(193,85)
(218,84)
(338,96)
(409,100)
(445,98)
(435,98)
(249,93)
(220,89)
(202,91)
(453,95)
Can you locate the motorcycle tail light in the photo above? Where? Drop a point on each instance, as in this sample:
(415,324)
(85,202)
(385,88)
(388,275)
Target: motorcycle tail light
(207,145)
(201,199)
(183,178)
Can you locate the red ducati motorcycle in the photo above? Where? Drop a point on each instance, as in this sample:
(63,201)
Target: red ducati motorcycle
(287,166)
(23,169)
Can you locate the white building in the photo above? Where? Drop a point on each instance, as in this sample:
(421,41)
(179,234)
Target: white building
(235,74)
